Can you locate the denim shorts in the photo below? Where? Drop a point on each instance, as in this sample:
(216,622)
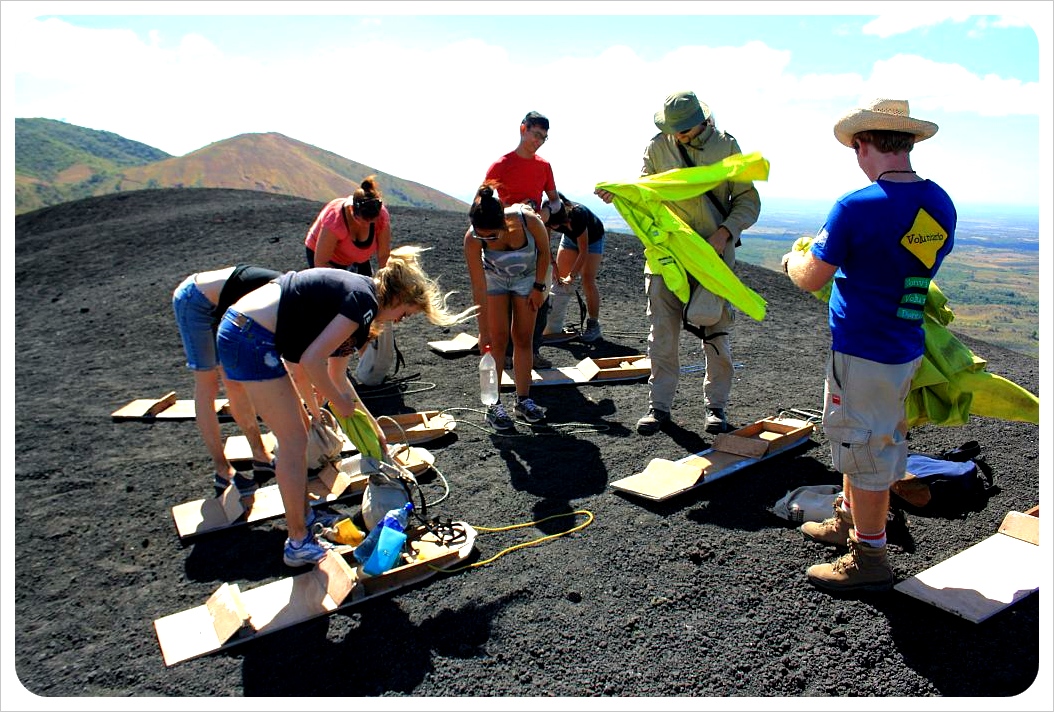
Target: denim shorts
(247,350)
(194,319)
(499,284)
(864,419)
(595,248)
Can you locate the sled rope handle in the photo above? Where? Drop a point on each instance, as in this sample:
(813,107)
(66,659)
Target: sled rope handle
(533,542)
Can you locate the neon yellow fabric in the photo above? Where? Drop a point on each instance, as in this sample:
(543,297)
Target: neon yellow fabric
(952,382)
(671,247)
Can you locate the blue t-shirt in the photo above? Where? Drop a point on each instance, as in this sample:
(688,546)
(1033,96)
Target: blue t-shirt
(888,241)
(312,297)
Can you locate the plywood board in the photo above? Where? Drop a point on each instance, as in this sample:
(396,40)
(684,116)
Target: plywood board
(603,370)
(202,516)
(335,583)
(165,408)
(990,576)
(463,343)
(663,479)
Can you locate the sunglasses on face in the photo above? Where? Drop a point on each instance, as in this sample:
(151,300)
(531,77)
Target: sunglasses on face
(484,238)
(539,135)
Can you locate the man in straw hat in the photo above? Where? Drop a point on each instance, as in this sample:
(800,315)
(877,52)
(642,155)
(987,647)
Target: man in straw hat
(688,137)
(882,245)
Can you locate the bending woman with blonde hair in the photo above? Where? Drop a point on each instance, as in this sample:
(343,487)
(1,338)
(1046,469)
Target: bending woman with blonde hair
(302,318)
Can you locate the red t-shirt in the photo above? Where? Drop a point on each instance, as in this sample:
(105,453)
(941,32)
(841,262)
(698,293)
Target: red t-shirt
(521,179)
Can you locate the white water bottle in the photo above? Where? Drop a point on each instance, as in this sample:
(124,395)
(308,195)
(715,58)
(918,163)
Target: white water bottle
(488,378)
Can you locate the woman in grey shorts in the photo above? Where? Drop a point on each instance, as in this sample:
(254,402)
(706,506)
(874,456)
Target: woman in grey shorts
(507,252)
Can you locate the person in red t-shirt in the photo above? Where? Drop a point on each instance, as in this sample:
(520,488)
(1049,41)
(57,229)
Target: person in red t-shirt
(522,176)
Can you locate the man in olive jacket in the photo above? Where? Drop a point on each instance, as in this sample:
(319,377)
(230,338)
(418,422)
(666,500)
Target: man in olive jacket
(688,138)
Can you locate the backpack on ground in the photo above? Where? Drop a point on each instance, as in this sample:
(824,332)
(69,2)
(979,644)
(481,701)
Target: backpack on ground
(948,484)
(378,358)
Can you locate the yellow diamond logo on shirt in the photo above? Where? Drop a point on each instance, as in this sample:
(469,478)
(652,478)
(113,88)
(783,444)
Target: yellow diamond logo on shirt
(925,238)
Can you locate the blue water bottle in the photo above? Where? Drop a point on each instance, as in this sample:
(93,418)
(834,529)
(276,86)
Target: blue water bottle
(366,553)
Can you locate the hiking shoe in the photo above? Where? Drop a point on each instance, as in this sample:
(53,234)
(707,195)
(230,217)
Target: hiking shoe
(528,410)
(834,530)
(568,333)
(541,362)
(653,421)
(864,568)
(264,469)
(592,331)
(498,419)
(716,422)
(246,485)
(309,551)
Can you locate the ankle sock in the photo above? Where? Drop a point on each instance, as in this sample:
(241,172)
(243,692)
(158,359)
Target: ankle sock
(876,541)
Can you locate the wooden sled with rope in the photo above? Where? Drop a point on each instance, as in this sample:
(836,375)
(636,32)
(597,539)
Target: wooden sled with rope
(231,616)
(589,370)
(167,407)
(410,428)
(333,482)
(731,452)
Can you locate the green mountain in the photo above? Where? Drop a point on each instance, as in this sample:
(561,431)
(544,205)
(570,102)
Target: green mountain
(58,162)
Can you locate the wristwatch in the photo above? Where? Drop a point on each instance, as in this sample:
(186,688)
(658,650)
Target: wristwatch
(540,287)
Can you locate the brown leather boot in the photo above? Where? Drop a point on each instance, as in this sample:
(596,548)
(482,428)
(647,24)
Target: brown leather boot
(864,568)
(834,530)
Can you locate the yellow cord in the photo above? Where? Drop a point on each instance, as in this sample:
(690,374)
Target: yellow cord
(533,542)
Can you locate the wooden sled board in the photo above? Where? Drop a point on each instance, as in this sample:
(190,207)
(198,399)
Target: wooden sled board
(600,370)
(229,510)
(167,407)
(231,616)
(731,452)
(463,343)
(991,575)
(410,428)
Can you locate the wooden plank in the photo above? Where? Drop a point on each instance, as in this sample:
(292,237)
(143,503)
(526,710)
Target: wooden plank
(165,408)
(295,599)
(984,579)
(663,479)
(460,344)
(1021,526)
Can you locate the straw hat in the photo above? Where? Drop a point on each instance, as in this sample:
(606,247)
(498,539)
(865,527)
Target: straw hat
(882,115)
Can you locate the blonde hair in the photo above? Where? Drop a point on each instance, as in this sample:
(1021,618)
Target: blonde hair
(403,281)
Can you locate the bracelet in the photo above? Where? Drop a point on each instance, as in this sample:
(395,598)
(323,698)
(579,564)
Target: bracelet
(540,287)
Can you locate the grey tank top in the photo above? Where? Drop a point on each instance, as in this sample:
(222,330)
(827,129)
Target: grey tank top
(512,263)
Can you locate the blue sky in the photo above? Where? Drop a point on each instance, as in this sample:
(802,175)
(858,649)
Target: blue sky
(434,92)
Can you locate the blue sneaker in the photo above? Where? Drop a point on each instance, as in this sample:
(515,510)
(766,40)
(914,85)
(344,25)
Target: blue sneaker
(246,485)
(323,519)
(498,419)
(308,552)
(528,410)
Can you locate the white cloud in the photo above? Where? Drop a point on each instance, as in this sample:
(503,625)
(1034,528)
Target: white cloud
(440,116)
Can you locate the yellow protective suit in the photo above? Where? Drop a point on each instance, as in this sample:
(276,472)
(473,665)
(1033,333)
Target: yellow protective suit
(671,247)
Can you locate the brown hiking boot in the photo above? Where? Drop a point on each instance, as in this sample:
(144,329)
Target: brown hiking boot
(834,530)
(864,568)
